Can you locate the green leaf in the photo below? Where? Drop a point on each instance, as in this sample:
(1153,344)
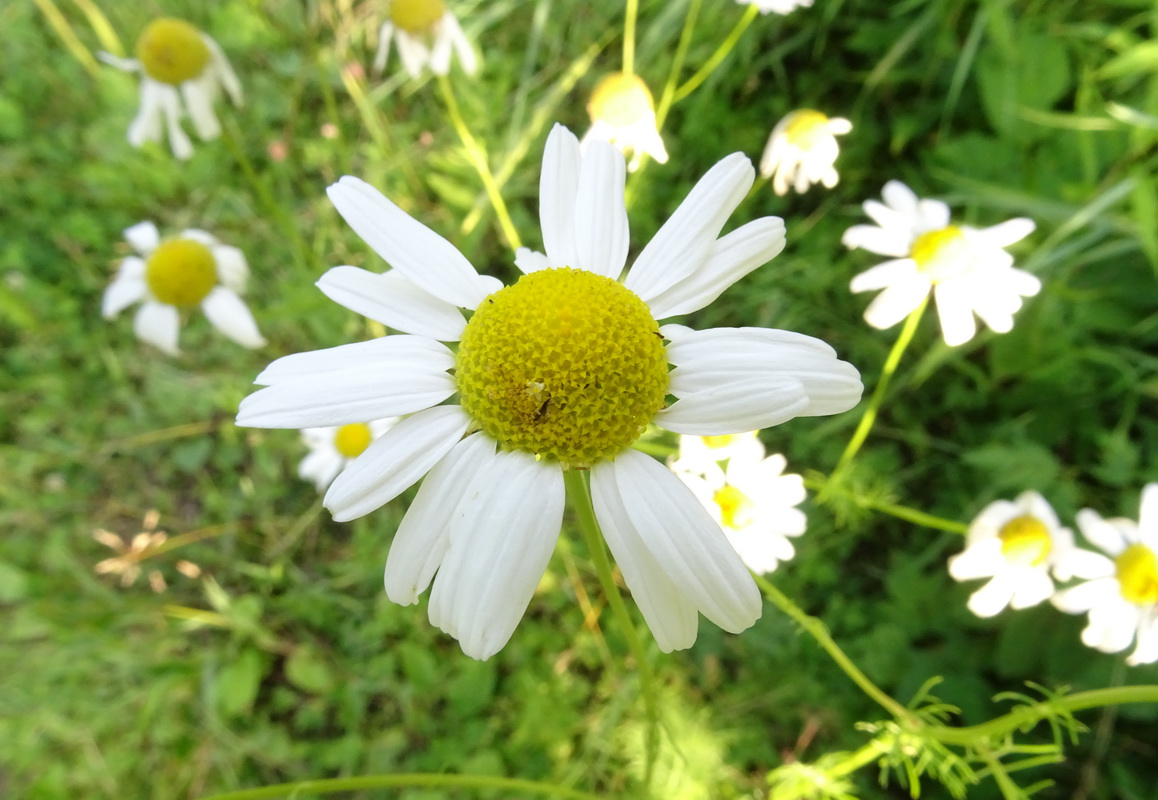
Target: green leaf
(309,671)
(1035,75)
(237,683)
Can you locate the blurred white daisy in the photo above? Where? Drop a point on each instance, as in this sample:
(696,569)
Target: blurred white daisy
(172,55)
(168,276)
(1120,592)
(623,113)
(752,500)
(562,370)
(967,269)
(1014,544)
(426,33)
(702,453)
(779,6)
(802,150)
(335,447)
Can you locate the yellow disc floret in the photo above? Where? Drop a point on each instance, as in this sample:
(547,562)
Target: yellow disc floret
(565,364)
(172,51)
(735,507)
(718,441)
(940,254)
(1137,572)
(1025,541)
(353,439)
(416,16)
(181,272)
(805,126)
(620,100)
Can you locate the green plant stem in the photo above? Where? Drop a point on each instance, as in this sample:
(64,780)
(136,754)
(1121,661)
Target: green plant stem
(478,160)
(816,629)
(677,64)
(870,414)
(334,785)
(821,484)
(629,37)
(580,494)
(865,755)
(701,75)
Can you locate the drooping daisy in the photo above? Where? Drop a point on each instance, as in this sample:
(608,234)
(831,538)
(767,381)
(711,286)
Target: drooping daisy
(334,448)
(967,269)
(802,150)
(623,113)
(1121,591)
(562,370)
(172,55)
(1014,544)
(779,6)
(752,500)
(168,276)
(426,32)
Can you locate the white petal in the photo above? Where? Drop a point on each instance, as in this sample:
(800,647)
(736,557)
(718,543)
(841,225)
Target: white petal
(900,197)
(667,609)
(395,461)
(1148,516)
(321,467)
(1147,650)
(600,214)
(884,275)
(422,538)
(993,597)
(462,45)
(143,237)
(528,260)
(179,141)
(385,354)
(394,301)
(956,315)
(146,126)
(980,560)
(1111,627)
(933,215)
(125,290)
(1101,533)
(440,50)
(421,255)
(897,302)
(223,71)
(558,190)
(1008,233)
(890,242)
(413,52)
(232,269)
(1033,587)
(385,35)
(1084,564)
(198,94)
(231,316)
(683,243)
(345,398)
(737,407)
(157,324)
(1087,595)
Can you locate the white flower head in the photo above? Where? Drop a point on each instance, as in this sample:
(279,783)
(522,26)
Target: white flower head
(967,269)
(703,453)
(1120,591)
(752,500)
(176,60)
(427,33)
(1014,544)
(168,276)
(778,6)
(623,113)
(563,370)
(802,150)
(335,447)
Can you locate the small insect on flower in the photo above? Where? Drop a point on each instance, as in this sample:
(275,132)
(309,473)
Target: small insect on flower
(176,60)
(176,274)
(426,33)
(802,150)
(623,113)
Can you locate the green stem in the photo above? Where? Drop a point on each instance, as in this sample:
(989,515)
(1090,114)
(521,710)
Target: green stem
(333,785)
(629,37)
(580,494)
(693,83)
(866,755)
(478,160)
(815,628)
(677,64)
(870,413)
(927,520)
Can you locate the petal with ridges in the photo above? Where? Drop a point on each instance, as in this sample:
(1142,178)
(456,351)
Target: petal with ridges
(558,190)
(600,212)
(384,354)
(394,301)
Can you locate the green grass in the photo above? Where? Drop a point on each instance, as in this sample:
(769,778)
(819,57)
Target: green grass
(284,661)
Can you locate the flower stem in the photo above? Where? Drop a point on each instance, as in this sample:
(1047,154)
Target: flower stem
(821,484)
(870,413)
(629,37)
(478,160)
(580,494)
(677,64)
(693,83)
(429,780)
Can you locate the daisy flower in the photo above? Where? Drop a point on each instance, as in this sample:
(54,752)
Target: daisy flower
(333,448)
(172,55)
(1120,592)
(779,6)
(171,275)
(563,370)
(1014,544)
(752,500)
(802,151)
(623,113)
(967,269)
(702,453)
(426,33)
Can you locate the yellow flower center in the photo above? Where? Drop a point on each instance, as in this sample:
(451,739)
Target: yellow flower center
(1137,571)
(719,441)
(351,440)
(1025,541)
(939,254)
(565,364)
(172,51)
(805,127)
(416,16)
(735,507)
(181,272)
(620,100)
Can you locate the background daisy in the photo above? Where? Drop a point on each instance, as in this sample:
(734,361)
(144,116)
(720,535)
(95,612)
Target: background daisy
(333,448)
(426,33)
(802,150)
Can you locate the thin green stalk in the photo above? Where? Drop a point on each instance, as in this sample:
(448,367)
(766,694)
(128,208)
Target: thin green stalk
(866,755)
(478,160)
(815,628)
(580,494)
(629,37)
(892,509)
(693,83)
(677,64)
(870,413)
(334,785)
